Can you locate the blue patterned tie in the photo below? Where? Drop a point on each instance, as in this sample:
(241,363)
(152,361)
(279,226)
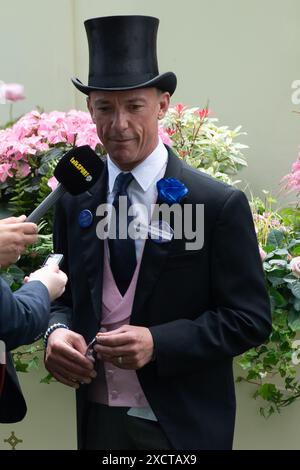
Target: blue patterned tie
(122,250)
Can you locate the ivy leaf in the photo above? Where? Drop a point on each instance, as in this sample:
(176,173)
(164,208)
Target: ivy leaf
(34,363)
(267,391)
(47,380)
(21,366)
(245,362)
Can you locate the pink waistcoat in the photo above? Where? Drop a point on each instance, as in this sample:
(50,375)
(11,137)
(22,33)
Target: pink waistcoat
(114,386)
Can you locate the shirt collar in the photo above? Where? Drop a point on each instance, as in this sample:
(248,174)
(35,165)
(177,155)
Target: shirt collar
(145,172)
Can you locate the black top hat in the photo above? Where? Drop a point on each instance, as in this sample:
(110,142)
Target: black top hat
(122,53)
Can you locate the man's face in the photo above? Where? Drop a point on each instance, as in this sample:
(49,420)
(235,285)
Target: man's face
(127,122)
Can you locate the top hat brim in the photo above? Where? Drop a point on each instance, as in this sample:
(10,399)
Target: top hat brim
(165,82)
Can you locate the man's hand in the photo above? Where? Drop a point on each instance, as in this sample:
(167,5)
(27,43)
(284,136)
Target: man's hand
(65,358)
(15,235)
(128,347)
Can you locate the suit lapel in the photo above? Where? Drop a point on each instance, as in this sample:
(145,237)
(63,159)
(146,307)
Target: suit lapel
(154,254)
(93,247)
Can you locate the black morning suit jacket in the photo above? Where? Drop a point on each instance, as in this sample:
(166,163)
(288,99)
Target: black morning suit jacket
(24,316)
(203,307)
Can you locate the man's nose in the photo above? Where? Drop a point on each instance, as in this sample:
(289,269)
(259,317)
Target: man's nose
(120,121)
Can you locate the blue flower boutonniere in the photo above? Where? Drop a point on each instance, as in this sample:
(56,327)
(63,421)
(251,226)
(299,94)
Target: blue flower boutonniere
(171,190)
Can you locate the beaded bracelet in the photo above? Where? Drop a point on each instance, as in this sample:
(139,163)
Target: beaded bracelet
(51,329)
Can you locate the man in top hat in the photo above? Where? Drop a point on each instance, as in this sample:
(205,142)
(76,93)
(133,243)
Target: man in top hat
(168,319)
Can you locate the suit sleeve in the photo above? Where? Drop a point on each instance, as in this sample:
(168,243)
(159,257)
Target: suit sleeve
(240,318)
(24,314)
(61,309)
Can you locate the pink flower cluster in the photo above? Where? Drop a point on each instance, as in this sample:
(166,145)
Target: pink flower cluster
(293,178)
(37,132)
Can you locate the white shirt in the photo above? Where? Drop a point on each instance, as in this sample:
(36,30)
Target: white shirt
(142,189)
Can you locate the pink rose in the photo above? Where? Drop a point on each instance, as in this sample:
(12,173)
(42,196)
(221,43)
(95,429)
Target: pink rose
(262,253)
(13,92)
(295,266)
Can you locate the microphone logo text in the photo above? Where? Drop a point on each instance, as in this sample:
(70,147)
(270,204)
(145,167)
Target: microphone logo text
(81,168)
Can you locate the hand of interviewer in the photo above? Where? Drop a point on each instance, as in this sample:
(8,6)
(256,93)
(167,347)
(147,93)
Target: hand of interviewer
(52,278)
(15,235)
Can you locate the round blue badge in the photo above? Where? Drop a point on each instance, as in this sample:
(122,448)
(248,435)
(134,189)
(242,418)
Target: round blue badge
(85,218)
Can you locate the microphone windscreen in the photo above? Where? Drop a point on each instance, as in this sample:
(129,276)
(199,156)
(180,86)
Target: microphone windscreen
(79,169)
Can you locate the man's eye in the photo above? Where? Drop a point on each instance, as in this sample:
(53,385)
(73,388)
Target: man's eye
(135,107)
(103,109)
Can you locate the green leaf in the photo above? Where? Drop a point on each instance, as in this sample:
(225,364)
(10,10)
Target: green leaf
(290,278)
(275,281)
(267,391)
(281,252)
(21,366)
(277,298)
(295,288)
(297,305)
(53,154)
(275,238)
(278,262)
(7,278)
(34,363)
(47,380)
(245,362)
(294,320)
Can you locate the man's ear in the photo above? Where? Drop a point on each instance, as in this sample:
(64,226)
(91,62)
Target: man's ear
(90,108)
(164,102)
